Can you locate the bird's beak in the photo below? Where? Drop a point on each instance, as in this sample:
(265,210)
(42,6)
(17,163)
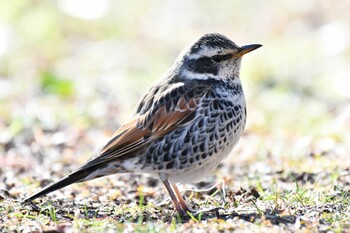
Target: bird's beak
(246,49)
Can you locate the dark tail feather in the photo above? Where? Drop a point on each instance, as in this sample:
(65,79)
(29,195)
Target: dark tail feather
(72,178)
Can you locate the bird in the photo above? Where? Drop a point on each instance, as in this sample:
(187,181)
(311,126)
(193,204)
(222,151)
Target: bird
(184,126)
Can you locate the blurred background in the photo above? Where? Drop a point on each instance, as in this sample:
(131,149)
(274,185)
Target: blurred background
(72,71)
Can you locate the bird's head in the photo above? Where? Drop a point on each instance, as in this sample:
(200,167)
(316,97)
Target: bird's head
(213,56)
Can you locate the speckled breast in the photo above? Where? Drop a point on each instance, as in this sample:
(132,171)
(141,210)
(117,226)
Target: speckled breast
(218,125)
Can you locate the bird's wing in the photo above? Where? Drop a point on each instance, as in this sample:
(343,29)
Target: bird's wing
(163,111)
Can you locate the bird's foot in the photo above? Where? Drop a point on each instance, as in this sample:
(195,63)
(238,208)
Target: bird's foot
(184,210)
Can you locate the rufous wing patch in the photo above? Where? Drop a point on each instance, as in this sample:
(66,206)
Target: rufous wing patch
(145,128)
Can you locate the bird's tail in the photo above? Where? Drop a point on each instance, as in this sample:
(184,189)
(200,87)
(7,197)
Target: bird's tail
(78,176)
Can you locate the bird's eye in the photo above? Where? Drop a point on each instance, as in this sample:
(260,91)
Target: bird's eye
(219,58)
(216,58)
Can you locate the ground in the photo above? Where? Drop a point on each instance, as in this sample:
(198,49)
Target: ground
(253,190)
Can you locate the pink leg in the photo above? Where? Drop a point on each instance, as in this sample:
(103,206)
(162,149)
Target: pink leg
(180,198)
(178,206)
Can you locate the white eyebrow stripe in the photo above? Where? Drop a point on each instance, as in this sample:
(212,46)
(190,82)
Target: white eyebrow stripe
(192,75)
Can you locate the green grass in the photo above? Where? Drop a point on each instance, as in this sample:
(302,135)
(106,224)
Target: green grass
(300,206)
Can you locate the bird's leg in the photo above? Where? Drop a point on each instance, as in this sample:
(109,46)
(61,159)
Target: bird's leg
(180,198)
(177,205)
